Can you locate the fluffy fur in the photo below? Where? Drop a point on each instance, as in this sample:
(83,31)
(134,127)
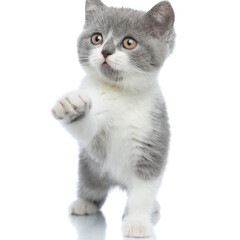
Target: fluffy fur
(118,115)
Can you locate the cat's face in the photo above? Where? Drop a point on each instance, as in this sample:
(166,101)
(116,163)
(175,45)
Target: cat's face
(117,43)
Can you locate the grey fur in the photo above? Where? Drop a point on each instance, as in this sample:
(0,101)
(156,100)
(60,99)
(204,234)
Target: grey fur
(92,7)
(112,74)
(153,32)
(160,19)
(97,147)
(109,46)
(93,186)
(155,147)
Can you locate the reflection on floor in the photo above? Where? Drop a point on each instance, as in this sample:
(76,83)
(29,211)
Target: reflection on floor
(90,227)
(94,227)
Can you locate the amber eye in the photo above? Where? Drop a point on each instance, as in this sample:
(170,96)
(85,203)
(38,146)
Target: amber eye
(129,43)
(97,39)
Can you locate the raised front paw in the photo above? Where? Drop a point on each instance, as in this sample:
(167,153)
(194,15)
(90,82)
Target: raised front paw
(72,106)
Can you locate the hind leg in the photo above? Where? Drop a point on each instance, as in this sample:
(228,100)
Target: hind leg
(90,199)
(86,206)
(93,187)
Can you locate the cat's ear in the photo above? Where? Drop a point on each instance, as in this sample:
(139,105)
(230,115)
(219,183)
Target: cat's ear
(92,7)
(160,18)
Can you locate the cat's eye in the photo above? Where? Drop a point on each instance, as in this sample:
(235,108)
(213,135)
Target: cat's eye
(97,39)
(129,43)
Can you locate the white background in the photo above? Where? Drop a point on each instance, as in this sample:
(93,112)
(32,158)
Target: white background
(200,193)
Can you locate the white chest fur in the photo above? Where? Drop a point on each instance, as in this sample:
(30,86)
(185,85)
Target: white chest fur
(124,120)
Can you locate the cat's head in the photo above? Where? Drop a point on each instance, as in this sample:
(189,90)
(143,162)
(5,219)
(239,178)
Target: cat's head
(118,43)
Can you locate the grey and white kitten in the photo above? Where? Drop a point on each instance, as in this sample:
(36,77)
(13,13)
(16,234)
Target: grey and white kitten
(118,115)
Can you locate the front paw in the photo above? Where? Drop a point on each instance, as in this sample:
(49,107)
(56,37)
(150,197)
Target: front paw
(72,106)
(137,228)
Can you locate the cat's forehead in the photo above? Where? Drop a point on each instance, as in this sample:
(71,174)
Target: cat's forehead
(118,21)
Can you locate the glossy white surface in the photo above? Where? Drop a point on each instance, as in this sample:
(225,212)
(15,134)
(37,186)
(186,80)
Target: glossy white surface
(200,192)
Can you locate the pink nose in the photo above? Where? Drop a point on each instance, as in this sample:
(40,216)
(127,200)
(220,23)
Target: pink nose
(106,53)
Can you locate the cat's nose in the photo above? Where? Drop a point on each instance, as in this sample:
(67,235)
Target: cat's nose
(106,53)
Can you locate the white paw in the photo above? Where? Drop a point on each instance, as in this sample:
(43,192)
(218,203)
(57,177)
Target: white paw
(72,106)
(137,229)
(82,207)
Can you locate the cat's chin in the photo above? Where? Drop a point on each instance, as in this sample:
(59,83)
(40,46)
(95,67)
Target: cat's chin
(110,74)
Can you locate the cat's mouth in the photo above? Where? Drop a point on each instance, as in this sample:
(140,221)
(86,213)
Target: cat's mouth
(109,71)
(105,63)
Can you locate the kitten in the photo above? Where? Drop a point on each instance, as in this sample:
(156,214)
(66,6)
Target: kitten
(118,116)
